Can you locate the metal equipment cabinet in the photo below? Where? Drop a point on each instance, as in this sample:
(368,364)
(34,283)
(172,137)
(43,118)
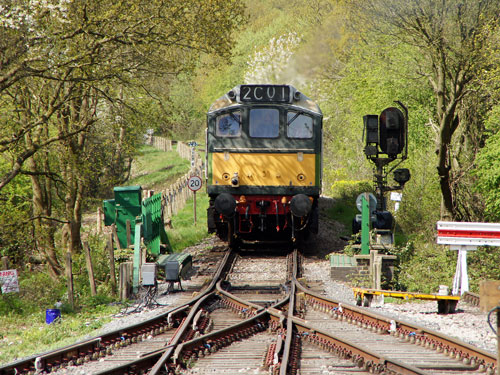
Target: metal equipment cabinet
(176,265)
(108,207)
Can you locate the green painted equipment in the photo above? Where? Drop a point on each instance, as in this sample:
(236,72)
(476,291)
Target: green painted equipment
(153,230)
(365,224)
(128,206)
(108,207)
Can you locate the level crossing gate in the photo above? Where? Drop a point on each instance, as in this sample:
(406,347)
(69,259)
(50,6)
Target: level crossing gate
(465,237)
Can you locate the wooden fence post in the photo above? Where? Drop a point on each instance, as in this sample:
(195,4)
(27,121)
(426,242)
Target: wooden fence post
(99,219)
(125,278)
(115,237)
(111,252)
(90,268)
(5,263)
(129,233)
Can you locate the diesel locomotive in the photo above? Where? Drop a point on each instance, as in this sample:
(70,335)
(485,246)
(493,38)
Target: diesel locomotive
(264,164)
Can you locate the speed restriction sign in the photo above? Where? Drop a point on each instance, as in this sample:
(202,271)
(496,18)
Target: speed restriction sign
(194,183)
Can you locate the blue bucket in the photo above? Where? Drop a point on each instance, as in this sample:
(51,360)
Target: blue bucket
(52,315)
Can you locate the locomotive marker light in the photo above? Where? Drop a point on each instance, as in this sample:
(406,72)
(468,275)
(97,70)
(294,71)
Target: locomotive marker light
(466,237)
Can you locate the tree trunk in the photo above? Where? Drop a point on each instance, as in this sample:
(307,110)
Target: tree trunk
(45,228)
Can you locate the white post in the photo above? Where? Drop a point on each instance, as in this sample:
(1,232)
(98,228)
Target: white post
(461,278)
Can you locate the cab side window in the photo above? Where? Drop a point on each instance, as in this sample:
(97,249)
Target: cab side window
(299,125)
(228,125)
(264,123)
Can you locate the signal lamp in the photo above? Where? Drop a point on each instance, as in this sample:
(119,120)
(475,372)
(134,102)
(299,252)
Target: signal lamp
(402,175)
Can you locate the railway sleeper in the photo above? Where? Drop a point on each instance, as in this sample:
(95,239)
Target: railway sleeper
(189,358)
(445,349)
(345,353)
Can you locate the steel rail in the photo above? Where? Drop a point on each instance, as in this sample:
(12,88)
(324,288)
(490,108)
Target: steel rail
(88,349)
(223,268)
(409,331)
(362,357)
(289,325)
(146,362)
(472,298)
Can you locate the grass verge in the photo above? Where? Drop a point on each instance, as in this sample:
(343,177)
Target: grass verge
(157,168)
(184,231)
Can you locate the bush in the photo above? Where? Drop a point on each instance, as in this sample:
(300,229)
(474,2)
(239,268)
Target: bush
(11,304)
(39,291)
(423,266)
(349,190)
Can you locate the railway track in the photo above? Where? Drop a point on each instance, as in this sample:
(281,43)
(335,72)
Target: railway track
(252,318)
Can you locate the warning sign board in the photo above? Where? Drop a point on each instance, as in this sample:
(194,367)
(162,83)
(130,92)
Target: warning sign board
(9,281)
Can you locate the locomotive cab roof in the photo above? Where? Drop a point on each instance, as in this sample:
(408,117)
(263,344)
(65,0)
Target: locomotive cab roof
(253,94)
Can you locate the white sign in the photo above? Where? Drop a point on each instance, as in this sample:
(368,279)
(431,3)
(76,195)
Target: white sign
(396,197)
(9,282)
(194,183)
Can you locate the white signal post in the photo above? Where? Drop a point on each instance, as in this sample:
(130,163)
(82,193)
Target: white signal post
(466,237)
(194,184)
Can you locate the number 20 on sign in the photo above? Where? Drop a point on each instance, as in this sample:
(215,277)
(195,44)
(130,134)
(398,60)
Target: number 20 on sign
(194,184)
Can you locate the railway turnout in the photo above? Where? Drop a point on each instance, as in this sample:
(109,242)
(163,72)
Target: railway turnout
(274,325)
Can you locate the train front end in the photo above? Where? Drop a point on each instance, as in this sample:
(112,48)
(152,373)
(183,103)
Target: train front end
(263,164)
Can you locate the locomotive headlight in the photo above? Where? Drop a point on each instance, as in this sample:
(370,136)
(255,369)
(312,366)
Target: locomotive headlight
(235,180)
(300,205)
(225,204)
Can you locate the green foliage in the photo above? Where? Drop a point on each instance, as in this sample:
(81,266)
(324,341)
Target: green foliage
(15,226)
(482,265)
(157,168)
(184,232)
(39,291)
(488,168)
(11,303)
(23,335)
(423,266)
(344,207)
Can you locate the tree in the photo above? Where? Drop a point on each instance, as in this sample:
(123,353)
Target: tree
(62,67)
(101,42)
(451,36)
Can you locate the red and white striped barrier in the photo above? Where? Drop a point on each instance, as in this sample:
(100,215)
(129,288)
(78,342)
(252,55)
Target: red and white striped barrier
(468,234)
(465,237)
